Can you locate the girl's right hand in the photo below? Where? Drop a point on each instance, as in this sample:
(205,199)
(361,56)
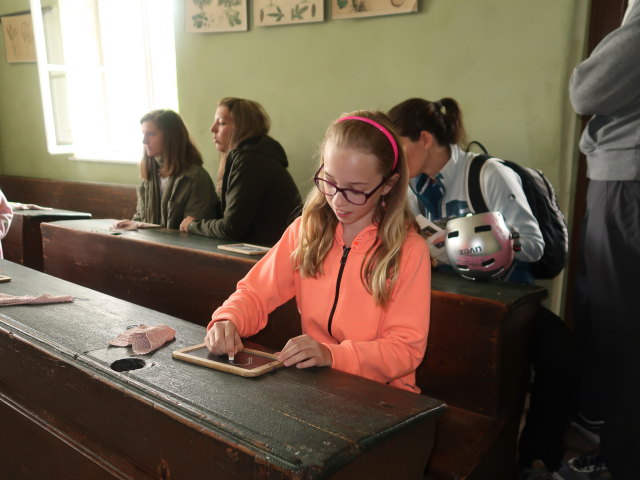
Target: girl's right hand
(223,338)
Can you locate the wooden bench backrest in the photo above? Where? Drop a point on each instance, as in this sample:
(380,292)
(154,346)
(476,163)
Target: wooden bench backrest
(101,200)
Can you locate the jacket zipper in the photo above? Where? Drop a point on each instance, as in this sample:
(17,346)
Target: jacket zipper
(343,261)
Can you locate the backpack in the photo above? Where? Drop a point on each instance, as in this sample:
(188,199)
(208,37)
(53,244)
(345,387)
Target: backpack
(544,206)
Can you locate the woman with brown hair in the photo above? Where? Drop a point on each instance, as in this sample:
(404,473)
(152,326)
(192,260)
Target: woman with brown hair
(258,196)
(174,183)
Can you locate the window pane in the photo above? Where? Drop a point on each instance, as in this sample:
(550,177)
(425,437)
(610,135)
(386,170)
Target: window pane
(59,100)
(108,62)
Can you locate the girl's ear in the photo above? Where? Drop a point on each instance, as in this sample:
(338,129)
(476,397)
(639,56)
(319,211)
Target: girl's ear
(426,139)
(389,184)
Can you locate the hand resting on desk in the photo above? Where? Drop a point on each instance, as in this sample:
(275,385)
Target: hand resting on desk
(184,225)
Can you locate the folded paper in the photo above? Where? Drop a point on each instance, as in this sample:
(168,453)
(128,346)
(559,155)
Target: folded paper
(45,298)
(144,339)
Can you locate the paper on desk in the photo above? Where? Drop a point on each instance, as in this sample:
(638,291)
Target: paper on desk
(45,298)
(27,206)
(436,237)
(130,225)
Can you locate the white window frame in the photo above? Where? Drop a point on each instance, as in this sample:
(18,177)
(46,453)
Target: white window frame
(115,120)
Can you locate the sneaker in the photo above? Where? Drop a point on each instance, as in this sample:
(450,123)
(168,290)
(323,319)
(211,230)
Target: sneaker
(538,472)
(589,429)
(589,463)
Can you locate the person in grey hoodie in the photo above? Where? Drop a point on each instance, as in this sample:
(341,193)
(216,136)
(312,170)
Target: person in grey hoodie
(259,199)
(607,86)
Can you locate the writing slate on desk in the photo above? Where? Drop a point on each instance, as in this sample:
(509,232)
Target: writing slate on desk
(245,248)
(248,363)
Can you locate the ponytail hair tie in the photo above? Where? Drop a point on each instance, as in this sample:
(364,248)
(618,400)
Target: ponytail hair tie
(386,132)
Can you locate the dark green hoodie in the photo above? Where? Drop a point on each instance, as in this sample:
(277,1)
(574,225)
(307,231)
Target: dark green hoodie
(190,193)
(259,198)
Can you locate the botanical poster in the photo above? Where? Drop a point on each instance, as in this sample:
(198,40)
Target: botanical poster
(369,8)
(18,38)
(203,16)
(284,12)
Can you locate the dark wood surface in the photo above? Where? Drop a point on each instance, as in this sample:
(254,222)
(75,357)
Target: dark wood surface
(101,200)
(177,273)
(66,413)
(23,242)
(477,354)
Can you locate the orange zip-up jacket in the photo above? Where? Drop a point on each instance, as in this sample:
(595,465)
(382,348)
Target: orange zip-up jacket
(385,345)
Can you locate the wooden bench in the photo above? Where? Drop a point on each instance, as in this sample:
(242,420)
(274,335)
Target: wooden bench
(67,412)
(477,354)
(477,361)
(101,200)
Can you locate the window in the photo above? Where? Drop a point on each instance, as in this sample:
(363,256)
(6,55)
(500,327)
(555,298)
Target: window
(102,65)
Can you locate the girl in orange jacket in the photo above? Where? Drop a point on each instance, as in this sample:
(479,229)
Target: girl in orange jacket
(360,273)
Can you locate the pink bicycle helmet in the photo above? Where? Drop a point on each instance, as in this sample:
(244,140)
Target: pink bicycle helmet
(480,246)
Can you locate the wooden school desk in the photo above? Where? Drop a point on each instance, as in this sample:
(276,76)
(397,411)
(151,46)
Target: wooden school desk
(477,354)
(23,243)
(178,273)
(66,413)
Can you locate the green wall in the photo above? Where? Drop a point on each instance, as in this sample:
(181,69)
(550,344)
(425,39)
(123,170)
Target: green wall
(506,61)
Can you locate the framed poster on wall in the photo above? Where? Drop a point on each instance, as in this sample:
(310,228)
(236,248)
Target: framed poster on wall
(208,16)
(370,8)
(18,38)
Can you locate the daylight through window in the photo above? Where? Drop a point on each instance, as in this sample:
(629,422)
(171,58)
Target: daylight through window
(102,65)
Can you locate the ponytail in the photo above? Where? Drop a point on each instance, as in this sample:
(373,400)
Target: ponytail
(443,119)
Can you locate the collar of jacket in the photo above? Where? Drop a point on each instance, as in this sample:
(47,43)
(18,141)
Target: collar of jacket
(363,241)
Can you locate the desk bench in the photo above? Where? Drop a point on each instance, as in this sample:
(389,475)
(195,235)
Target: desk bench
(66,413)
(477,353)
(101,200)
(23,243)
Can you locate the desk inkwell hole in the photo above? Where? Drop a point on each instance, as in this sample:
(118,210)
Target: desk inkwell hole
(127,364)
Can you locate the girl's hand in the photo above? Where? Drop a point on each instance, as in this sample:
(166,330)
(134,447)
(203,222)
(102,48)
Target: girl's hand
(303,352)
(125,224)
(223,338)
(184,225)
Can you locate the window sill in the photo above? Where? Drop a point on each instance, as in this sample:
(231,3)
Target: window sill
(103,159)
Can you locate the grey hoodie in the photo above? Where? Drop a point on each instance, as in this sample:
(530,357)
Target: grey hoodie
(607,86)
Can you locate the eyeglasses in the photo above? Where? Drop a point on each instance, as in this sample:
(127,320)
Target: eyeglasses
(355,197)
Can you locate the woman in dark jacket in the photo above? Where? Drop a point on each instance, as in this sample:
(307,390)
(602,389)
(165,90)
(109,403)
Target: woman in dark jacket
(174,183)
(258,196)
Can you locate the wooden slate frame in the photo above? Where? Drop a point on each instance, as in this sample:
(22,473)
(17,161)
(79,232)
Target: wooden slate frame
(186,355)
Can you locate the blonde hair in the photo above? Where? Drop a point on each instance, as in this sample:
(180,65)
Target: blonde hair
(317,228)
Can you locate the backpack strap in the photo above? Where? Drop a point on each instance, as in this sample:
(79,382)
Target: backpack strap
(476,199)
(477,144)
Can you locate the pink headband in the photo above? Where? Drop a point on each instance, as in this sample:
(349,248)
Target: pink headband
(386,132)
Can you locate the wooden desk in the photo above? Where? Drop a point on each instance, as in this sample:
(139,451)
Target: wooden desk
(23,243)
(65,412)
(102,200)
(477,354)
(177,273)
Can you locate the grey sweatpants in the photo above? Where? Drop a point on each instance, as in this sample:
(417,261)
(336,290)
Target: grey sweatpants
(608,320)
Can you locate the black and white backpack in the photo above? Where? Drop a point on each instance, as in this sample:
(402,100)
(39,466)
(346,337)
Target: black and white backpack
(544,206)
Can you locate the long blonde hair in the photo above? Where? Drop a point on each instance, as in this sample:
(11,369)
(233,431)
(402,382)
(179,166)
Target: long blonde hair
(317,229)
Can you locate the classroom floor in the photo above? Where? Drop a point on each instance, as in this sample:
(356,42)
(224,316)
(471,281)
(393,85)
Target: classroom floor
(575,444)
